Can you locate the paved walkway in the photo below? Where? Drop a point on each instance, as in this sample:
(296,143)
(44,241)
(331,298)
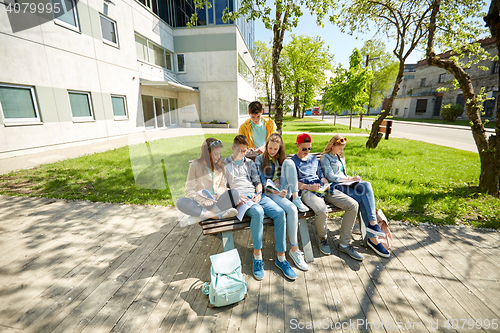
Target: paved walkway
(91,267)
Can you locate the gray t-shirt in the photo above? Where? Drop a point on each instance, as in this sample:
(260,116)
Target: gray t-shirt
(243,177)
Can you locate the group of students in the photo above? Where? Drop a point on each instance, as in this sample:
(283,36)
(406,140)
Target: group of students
(237,180)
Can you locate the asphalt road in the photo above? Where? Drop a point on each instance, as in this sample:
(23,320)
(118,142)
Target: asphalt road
(459,137)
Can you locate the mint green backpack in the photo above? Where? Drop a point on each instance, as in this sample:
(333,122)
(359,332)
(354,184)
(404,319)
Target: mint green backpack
(227,284)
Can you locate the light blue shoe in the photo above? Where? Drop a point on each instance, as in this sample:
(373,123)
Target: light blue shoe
(300,205)
(298,259)
(286,269)
(258,268)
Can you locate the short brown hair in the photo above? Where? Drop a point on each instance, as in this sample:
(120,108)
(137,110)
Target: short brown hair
(255,107)
(241,140)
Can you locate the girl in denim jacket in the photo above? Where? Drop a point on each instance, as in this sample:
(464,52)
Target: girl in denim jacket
(334,168)
(274,165)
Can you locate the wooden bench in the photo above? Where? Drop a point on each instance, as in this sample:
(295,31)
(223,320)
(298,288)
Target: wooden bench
(386,128)
(227,226)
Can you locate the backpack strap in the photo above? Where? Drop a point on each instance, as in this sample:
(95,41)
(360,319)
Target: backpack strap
(231,198)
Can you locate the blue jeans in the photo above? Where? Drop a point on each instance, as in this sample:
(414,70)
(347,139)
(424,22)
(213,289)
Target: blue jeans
(289,179)
(362,192)
(292,217)
(275,212)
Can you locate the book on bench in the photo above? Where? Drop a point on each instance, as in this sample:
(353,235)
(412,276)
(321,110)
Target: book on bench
(323,188)
(271,186)
(243,208)
(206,194)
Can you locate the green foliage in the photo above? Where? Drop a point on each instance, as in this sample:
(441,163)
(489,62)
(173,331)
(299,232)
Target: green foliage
(384,67)
(263,59)
(347,90)
(450,112)
(303,64)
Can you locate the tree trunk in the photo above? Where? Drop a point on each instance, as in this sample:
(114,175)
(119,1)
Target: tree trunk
(278,35)
(296,99)
(375,136)
(490,161)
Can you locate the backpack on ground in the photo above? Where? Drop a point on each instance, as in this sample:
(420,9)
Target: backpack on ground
(227,283)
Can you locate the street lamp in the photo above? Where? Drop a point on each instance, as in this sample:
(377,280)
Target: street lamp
(370,95)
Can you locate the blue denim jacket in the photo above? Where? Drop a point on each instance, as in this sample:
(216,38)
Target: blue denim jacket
(264,176)
(332,167)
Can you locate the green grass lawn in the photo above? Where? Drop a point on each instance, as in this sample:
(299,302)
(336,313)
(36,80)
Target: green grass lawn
(413,181)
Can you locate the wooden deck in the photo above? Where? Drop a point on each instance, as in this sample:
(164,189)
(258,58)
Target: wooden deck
(87,267)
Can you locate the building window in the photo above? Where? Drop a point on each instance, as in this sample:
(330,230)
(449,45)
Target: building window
(243,107)
(67,16)
(421,106)
(494,67)
(396,112)
(141,47)
(181,67)
(460,100)
(158,55)
(422,82)
(489,105)
(81,106)
(441,78)
(18,104)
(168,57)
(244,70)
(119,106)
(108,29)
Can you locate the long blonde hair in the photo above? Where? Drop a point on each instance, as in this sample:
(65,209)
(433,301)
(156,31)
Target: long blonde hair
(280,156)
(334,141)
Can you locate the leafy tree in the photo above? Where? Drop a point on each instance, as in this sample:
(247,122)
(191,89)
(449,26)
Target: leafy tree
(450,26)
(348,88)
(404,21)
(264,70)
(303,64)
(384,68)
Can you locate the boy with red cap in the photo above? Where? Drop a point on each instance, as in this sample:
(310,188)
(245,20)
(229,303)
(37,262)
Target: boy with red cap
(310,179)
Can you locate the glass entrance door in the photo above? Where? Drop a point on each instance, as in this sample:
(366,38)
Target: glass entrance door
(159,114)
(166,110)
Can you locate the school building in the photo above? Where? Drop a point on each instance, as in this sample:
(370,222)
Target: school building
(104,69)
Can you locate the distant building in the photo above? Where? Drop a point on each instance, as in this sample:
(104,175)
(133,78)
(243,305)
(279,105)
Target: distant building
(419,97)
(107,69)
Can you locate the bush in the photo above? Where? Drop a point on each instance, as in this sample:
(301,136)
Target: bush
(450,112)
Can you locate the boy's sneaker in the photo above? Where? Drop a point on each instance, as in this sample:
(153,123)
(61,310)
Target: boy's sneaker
(324,247)
(379,249)
(258,268)
(298,259)
(351,252)
(300,205)
(231,212)
(375,230)
(286,269)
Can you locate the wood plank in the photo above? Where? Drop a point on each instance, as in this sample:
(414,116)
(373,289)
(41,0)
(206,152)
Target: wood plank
(444,300)
(247,322)
(477,287)
(93,274)
(82,314)
(111,312)
(148,310)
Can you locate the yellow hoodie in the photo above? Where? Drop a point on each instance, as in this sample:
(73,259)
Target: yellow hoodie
(246,129)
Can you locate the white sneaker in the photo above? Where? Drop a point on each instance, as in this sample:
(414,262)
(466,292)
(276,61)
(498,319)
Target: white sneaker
(231,212)
(300,205)
(298,259)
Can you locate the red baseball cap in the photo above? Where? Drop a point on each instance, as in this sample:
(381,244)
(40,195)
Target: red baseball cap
(304,137)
